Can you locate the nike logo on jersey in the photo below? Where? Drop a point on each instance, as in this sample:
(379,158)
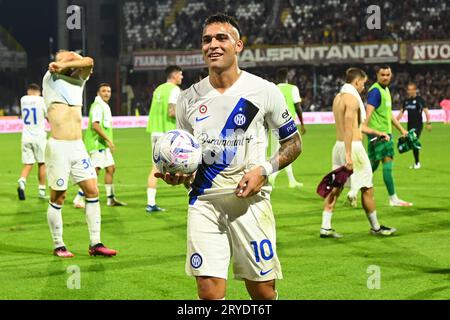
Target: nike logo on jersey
(262,273)
(197,119)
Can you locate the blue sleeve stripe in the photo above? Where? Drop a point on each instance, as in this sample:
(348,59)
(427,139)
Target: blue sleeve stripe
(374,98)
(287,130)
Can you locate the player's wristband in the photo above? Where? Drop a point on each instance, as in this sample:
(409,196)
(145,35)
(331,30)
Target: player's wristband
(267,168)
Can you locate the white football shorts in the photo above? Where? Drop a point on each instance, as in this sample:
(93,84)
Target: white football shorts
(67,159)
(33,152)
(362,170)
(102,158)
(231,227)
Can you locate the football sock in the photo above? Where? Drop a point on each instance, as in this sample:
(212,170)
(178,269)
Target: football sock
(55,223)
(373,220)
(42,190)
(109,192)
(22,182)
(388,178)
(326,219)
(151,195)
(290,174)
(93,219)
(416,155)
(79,196)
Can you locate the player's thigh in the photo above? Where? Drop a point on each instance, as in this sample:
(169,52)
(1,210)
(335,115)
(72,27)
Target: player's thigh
(81,165)
(252,228)
(208,244)
(338,155)
(39,150)
(362,169)
(57,161)
(109,159)
(27,153)
(97,159)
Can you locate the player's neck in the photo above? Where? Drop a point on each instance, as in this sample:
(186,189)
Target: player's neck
(222,80)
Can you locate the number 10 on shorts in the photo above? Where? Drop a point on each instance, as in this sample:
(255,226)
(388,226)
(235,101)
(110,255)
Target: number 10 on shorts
(262,249)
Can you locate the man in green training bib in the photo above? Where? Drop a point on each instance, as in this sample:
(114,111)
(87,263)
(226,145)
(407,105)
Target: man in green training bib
(292,96)
(380,118)
(161,119)
(99,143)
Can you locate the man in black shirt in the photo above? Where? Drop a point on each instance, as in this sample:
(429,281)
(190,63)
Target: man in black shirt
(415,105)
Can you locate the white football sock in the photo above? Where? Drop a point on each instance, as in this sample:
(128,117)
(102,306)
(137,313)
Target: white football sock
(290,174)
(373,220)
(42,190)
(55,223)
(393,197)
(326,219)
(80,196)
(109,190)
(22,182)
(151,195)
(93,219)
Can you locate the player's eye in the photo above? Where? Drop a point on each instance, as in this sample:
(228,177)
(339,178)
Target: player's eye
(222,37)
(206,39)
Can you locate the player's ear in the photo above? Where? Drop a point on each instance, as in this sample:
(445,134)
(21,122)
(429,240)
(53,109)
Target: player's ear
(239,46)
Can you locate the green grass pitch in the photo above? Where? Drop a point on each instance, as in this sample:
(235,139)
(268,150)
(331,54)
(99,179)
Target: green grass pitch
(414,264)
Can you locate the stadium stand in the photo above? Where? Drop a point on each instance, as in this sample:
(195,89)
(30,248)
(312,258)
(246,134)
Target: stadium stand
(175,24)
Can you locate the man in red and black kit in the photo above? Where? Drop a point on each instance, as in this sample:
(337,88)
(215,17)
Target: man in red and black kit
(415,105)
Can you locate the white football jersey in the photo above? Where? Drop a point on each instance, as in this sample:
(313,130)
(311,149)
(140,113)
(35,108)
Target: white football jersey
(232,127)
(33,111)
(63,89)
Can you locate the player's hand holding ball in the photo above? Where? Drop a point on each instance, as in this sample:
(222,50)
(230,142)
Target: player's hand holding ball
(177,155)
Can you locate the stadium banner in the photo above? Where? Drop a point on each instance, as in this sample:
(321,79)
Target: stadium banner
(159,60)
(269,56)
(14,124)
(429,52)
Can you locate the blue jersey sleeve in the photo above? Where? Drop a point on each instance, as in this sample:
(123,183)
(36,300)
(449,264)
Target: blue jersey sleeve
(374,97)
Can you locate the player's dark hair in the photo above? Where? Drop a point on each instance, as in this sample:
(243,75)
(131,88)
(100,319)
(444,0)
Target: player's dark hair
(172,69)
(383,66)
(354,73)
(103,84)
(34,86)
(282,74)
(222,18)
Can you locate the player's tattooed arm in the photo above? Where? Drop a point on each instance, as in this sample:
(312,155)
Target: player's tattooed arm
(289,150)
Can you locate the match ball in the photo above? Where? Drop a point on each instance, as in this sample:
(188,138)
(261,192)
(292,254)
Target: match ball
(177,151)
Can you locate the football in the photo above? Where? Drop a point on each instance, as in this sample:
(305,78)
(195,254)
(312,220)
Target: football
(177,151)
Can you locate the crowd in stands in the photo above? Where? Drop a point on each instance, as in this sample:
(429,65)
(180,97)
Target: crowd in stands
(296,21)
(433,84)
(318,91)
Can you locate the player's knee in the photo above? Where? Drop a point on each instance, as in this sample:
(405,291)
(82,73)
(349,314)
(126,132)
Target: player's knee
(111,170)
(210,289)
(262,291)
(58,198)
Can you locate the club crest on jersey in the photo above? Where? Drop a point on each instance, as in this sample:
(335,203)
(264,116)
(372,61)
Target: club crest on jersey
(239,119)
(203,109)
(196,261)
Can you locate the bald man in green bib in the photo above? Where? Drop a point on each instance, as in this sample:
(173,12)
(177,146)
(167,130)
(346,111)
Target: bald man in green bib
(380,118)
